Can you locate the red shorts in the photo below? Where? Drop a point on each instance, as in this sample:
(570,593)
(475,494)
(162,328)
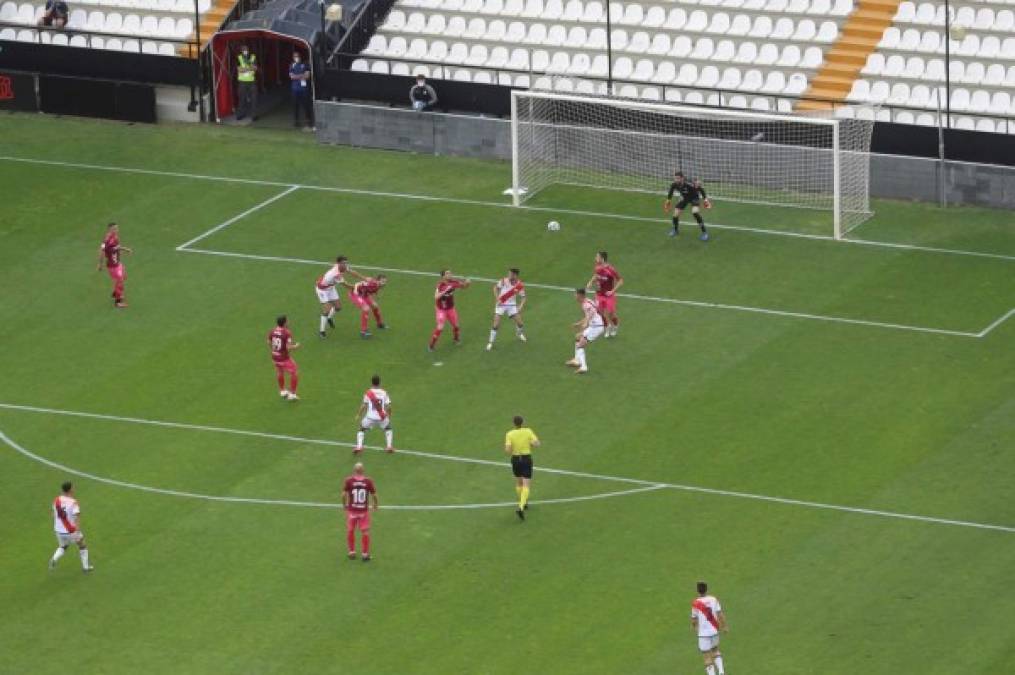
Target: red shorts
(606,303)
(363,302)
(357,519)
(447,315)
(117,273)
(288,366)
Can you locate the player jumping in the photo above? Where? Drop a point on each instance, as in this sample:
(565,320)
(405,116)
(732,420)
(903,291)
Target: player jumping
(691,192)
(362,295)
(281,342)
(358,496)
(589,328)
(606,281)
(509,300)
(707,619)
(327,291)
(444,298)
(67,524)
(374,411)
(111,250)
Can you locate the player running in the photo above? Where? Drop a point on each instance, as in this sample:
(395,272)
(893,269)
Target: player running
(327,291)
(444,298)
(362,295)
(519,443)
(111,250)
(607,282)
(691,192)
(67,525)
(281,342)
(509,300)
(374,411)
(358,496)
(589,328)
(707,620)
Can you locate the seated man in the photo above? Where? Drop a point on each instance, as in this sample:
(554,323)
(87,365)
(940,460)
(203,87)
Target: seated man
(422,95)
(55,14)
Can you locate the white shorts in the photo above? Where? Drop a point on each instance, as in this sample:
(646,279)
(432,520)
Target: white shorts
(506,310)
(64,540)
(371,422)
(329,294)
(707,644)
(593,332)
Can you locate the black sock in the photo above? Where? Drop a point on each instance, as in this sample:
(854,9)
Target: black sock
(676,223)
(701,221)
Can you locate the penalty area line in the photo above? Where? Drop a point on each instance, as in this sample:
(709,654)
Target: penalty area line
(227,223)
(645,485)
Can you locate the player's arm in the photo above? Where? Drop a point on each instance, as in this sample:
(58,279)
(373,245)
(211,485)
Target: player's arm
(521,301)
(668,204)
(362,411)
(508,448)
(464,283)
(591,282)
(346,498)
(355,274)
(496,295)
(721,617)
(617,285)
(694,625)
(706,202)
(102,251)
(126,249)
(535,441)
(373,500)
(293,345)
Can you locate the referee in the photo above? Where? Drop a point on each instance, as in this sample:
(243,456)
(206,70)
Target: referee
(519,443)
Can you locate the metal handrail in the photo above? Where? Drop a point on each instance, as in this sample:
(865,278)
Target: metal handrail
(71,32)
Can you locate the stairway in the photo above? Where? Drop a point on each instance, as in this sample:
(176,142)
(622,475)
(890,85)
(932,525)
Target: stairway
(211,21)
(857,40)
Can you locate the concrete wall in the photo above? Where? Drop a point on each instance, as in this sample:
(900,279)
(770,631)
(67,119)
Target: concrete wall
(892,176)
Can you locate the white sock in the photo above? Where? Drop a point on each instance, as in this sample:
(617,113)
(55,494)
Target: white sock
(710,670)
(389,435)
(519,331)
(580,353)
(493,335)
(84,558)
(576,352)
(359,439)
(718,666)
(324,322)
(58,554)
(331,313)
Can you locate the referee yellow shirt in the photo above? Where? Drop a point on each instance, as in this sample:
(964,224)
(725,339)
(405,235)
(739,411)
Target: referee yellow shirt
(520,441)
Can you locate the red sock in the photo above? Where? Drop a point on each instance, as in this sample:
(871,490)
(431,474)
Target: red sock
(294,379)
(363,322)
(456,331)
(615,321)
(118,290)
(377,316)
(433,338)
(365,539)
(281,381)
(350,538)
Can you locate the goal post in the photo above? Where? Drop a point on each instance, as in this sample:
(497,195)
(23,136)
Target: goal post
(780,160)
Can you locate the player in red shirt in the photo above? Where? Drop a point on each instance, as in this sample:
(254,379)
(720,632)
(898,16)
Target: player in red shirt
(362,295)
(358,495)
(444,297)
(111,250)
(607,281)
(280,341)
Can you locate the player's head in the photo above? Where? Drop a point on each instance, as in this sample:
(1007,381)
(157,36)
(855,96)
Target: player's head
(381,279)
(341,260)
(518,421)
(445,274)
(702,588)
(112,228)
(579,293)
(513,274)
(67,487)
(281,321)
(602,257)
(678,176)
(375,380)
(357,468)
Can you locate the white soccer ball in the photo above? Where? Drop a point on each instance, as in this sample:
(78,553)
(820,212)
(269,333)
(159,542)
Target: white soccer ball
(553,226)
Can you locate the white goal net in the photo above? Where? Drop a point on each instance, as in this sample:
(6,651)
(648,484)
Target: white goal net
(618,144)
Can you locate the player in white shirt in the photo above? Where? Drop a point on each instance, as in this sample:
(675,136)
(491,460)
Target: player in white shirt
(374,411)
(707,621)
(66,524)
(327,291)
(589,328)
(509,300)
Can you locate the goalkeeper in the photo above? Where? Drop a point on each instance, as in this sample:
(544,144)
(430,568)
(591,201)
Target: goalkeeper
(691,192)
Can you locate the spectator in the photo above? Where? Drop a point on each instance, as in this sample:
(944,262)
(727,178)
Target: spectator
(246,77)
(422,95)
(55,14)
(299,76)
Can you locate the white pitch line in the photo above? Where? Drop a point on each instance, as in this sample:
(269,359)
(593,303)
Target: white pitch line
(476,202)
(253,209)
(4,438)
(632,296)
(648,485)
(996,323)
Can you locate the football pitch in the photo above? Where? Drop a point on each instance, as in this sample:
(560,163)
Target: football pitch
(823,431)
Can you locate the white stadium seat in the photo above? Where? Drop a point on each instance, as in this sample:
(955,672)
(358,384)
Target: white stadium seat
(747,53)
(682,46)
(725,50)
(665,73)
(790,57)
(708,77)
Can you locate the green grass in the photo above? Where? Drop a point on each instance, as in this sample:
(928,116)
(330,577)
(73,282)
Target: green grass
(855,415)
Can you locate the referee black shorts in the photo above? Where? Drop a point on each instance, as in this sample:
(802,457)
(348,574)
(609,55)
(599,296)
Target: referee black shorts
(682,204)
(521,466)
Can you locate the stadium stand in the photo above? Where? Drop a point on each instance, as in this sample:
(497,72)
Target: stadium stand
(758,54)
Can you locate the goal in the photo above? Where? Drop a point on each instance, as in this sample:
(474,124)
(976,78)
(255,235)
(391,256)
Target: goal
(780,160)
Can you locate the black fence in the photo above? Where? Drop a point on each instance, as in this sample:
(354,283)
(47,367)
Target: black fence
(364,25)
(79,96)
